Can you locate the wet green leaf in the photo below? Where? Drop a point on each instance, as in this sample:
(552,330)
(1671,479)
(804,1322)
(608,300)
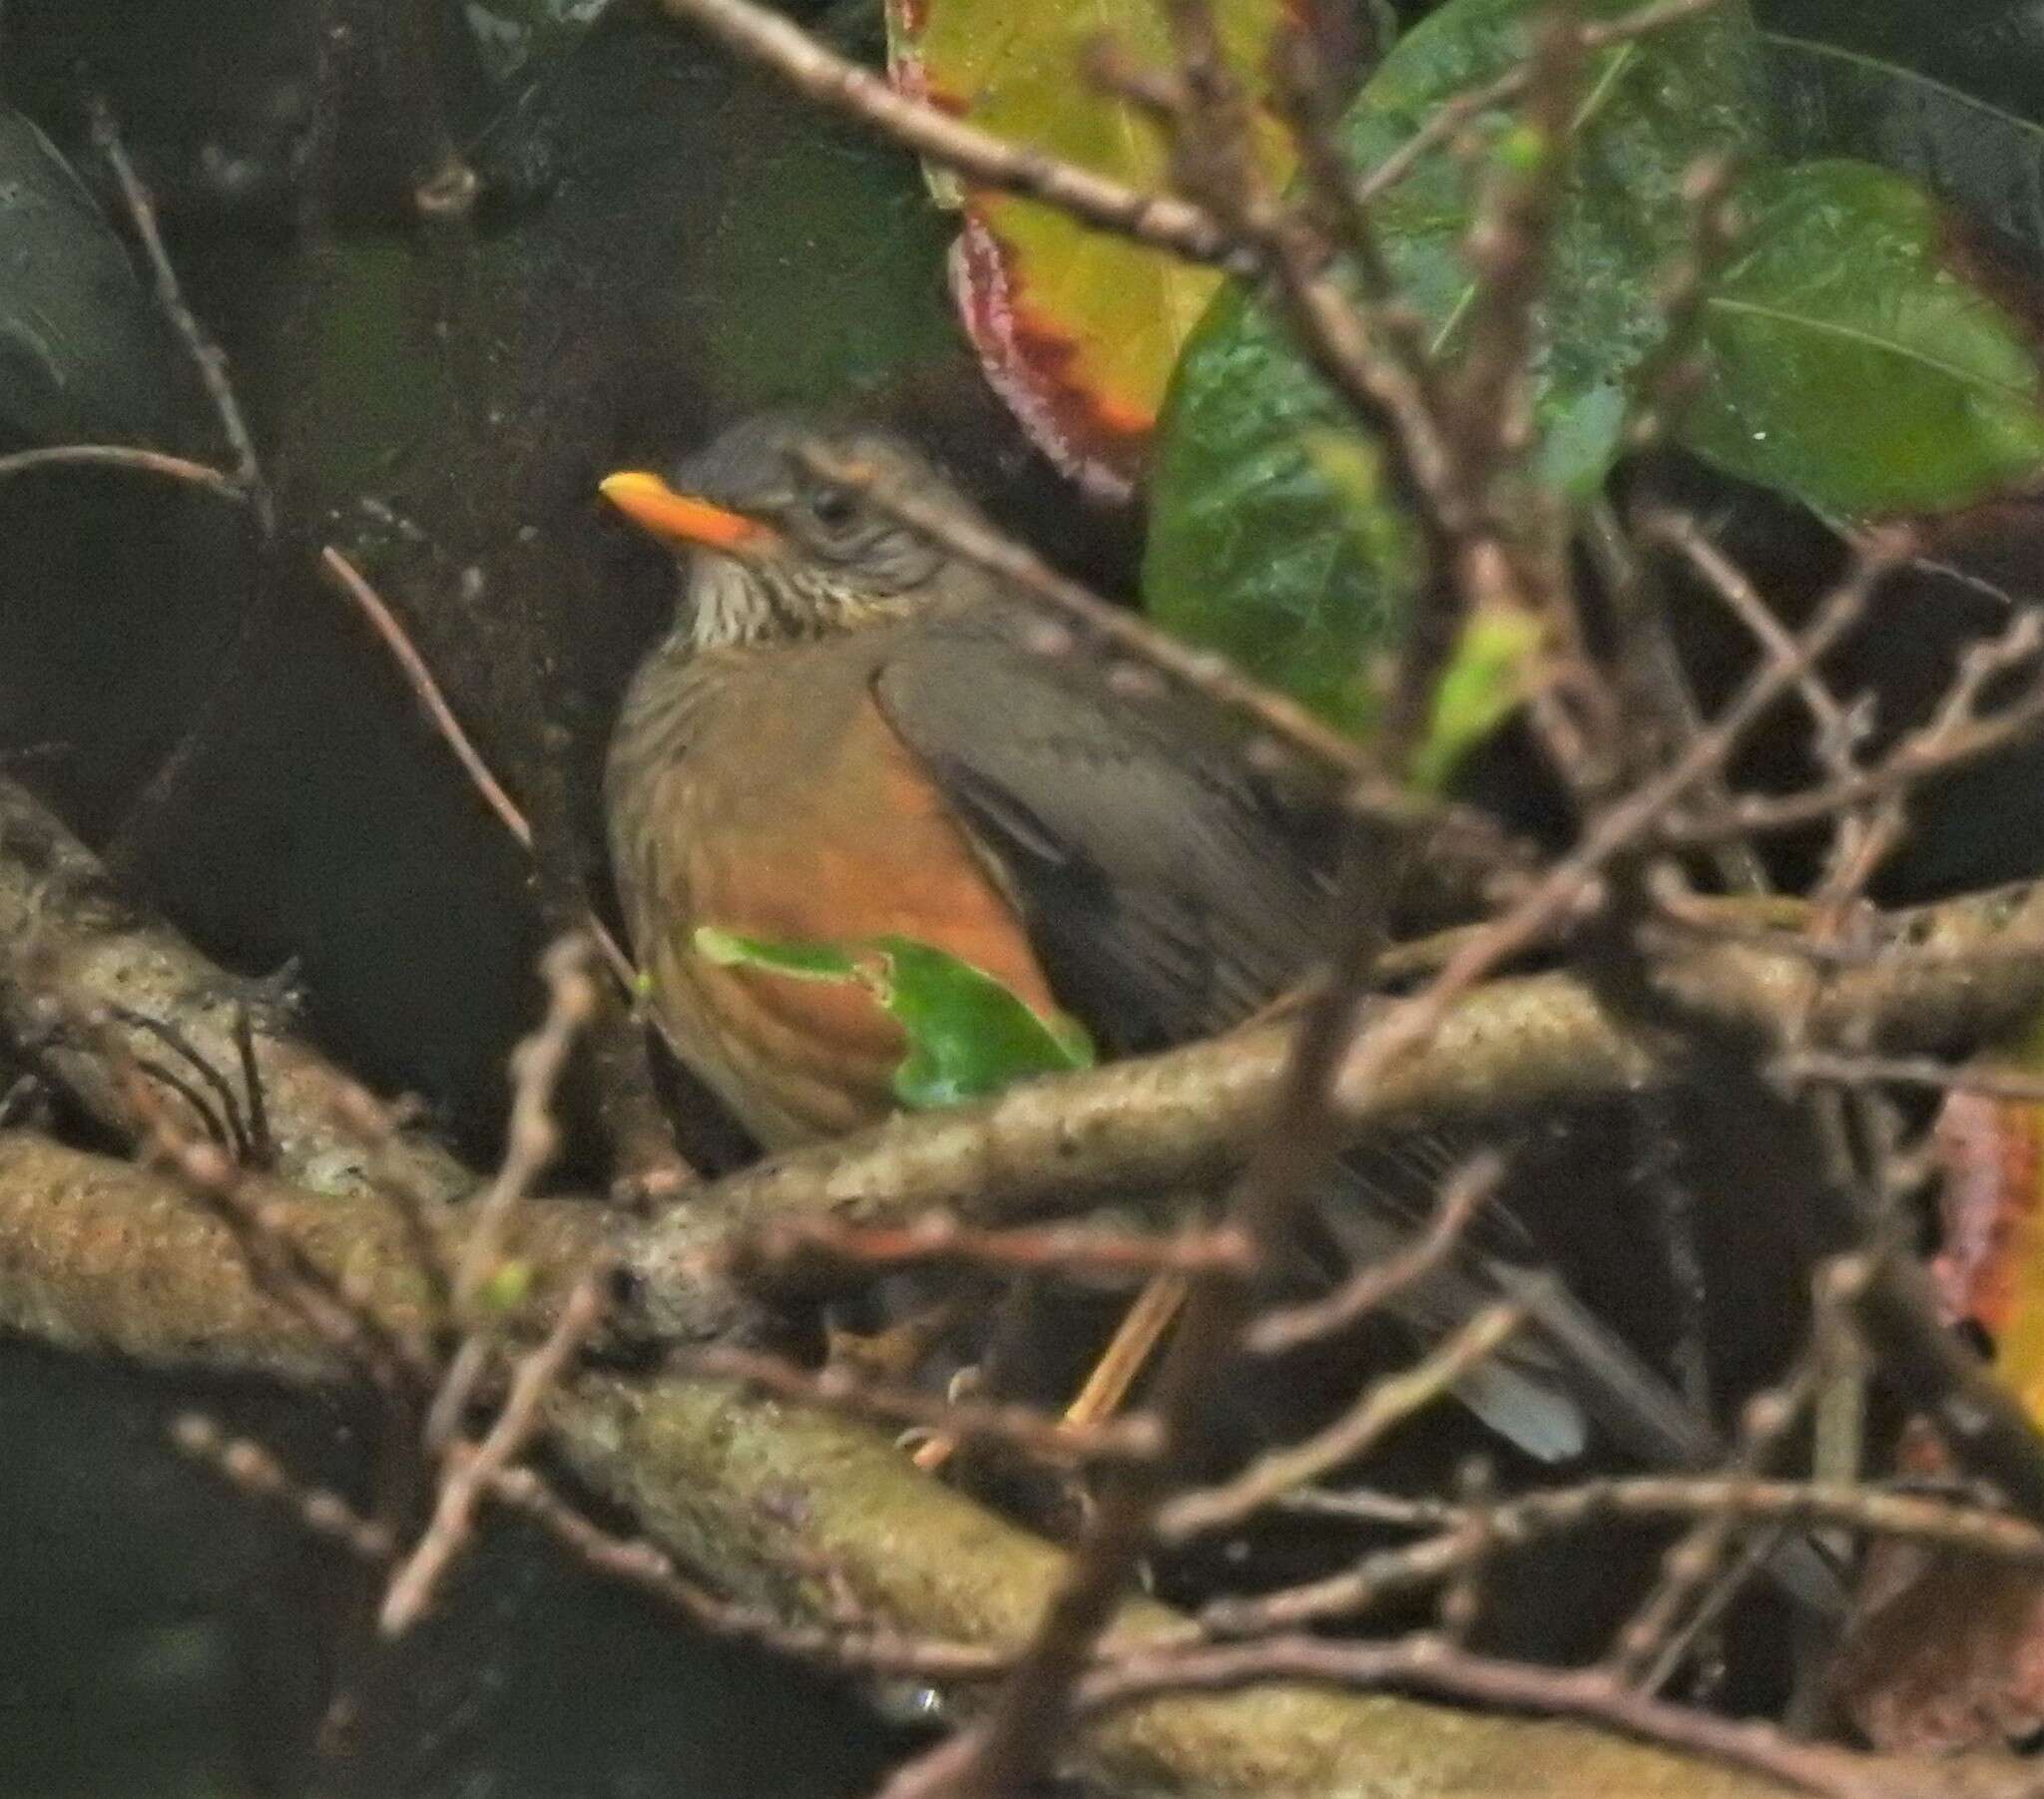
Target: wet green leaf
(968,1034)
(84,356)
(1251,548)
(1832,99)
(1848,366)
(1483,686)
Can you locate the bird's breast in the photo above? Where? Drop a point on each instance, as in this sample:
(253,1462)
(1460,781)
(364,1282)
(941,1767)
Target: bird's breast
(793,812)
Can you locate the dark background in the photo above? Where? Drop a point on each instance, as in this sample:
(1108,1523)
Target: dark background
(663,242)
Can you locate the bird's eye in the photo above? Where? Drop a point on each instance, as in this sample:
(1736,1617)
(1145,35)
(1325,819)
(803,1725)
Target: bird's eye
(833,508)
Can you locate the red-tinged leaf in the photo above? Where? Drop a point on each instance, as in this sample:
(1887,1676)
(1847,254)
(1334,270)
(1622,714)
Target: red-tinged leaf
(1077,330)
(1990,1267)
(1945,1652)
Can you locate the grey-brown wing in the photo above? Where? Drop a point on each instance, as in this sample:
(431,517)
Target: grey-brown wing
(1169,893)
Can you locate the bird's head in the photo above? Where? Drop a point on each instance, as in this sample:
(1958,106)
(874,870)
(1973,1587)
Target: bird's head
(770,549)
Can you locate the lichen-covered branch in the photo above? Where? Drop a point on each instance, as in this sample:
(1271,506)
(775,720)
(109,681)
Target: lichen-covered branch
(100,1255)
(1944,979)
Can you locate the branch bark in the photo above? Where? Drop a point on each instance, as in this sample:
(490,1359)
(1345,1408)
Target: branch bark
(100,1256)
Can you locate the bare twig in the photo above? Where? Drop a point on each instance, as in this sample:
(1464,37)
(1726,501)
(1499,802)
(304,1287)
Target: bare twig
(978,543)
(206,354)
(1160,219)
(643,1564)
(1868,1511)
(1913,1070)
(125,456)
(1132,1438)
(1447,120)
(530,1137)
(345,579)
(1380,1410)
(470,1471)
(1981,1421)
(942,1238)
(1372,1285)
(276,1261)
(1636,1648)
(252,1468)
(1430,1665)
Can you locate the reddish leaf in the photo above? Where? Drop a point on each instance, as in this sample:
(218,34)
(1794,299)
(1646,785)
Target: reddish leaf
(1990,1267)
(1945,1652)
(1077,330)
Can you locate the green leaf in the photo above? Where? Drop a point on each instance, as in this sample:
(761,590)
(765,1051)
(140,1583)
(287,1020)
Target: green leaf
(1251,548)
(1483,686)
(1848,366)
(800,960)
(968,1034)
(83,353)
(1832,99)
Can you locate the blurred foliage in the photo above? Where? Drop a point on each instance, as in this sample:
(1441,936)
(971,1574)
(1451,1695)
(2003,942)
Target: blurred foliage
(1847,364)
(1989,50)
(1251,549)
(1830,99)
(1851,355)
(1486,679)
(84,352)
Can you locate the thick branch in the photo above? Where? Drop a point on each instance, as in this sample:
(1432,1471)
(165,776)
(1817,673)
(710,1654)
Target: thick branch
(1942,980)
(100,1255)
(95,1254)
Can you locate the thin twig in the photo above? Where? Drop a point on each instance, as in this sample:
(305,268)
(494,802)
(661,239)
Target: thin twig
(468,1472)
(1160,220)
(348,581)
(1129,1439)
(1381,1409)
(345,579)
(1370,1287)
(1430,1665)
(1636,1647)
(642,1565)
(1913,1070)
(206,354)
(252,1468)
(1070,1249)
(125,456)
(1205,671)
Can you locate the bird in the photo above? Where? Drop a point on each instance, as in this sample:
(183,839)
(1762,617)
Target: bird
(850,731)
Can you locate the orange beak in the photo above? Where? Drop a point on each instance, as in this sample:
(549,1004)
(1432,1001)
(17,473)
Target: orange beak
(676,519)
